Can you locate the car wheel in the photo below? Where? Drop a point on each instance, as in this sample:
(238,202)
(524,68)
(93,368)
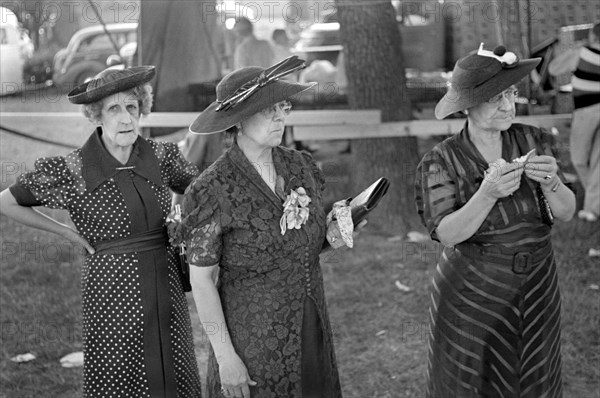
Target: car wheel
(86,76)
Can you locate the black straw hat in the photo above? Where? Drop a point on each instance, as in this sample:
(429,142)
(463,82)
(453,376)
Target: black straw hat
(479,76)
(245,92)
(111,81)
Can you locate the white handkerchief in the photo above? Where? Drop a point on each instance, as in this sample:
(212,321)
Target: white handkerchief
(342,213)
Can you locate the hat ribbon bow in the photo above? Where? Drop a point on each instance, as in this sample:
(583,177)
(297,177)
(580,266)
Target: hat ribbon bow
(508,59)
(273,73)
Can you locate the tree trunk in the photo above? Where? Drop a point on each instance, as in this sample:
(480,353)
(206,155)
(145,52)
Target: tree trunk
(376,80)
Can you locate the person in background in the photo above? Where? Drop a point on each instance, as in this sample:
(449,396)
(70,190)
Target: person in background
(250,51)
(137,334)
(281,50)
(585,129)
(281,45)
(495,301)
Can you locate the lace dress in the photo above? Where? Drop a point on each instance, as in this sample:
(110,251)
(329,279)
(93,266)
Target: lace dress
(270,285)
(136,327)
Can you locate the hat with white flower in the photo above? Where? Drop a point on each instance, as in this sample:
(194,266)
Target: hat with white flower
(481,75)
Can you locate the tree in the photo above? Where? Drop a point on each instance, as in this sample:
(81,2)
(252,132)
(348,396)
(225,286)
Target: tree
(376,80)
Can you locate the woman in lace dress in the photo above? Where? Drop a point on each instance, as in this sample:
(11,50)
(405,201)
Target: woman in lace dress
(136,327)
(266,318)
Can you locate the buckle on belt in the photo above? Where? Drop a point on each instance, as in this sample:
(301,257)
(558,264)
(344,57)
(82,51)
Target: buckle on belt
(522,263)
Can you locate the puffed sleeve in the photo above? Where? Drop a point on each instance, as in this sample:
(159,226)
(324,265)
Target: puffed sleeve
(435,191)
(200,227)
(49,184)
(318,174)
(179,171)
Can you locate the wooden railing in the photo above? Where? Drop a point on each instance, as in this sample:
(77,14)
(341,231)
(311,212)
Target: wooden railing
(307,124)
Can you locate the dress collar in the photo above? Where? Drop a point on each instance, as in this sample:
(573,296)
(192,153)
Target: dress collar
(472,151)
(241,162)
(99,165)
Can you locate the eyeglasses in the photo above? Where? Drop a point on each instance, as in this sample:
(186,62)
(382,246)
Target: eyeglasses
(510,95)
(285,106)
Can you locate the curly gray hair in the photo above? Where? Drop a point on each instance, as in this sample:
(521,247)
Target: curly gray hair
(143,93)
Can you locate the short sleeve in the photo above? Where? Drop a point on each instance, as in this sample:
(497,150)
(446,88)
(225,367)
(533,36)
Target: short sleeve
(200,227)
(49,184)
(435,191)
(549,146)
(180,172)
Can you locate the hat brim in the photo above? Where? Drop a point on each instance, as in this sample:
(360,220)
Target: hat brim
(140,75)
(210,121)
(457,99)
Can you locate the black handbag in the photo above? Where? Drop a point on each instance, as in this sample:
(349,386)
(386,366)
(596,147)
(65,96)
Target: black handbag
(545,210)
(183,266)
(543,205)
(365,202)
(368,199)
(184,269)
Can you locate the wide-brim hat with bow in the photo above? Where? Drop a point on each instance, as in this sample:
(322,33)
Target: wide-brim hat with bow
(481,75)
(111,81)
(247,91)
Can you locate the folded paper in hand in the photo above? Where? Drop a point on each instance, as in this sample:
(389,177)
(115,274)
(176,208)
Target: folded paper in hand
(368,199)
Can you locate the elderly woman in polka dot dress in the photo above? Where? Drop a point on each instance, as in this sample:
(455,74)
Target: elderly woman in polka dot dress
(136,325)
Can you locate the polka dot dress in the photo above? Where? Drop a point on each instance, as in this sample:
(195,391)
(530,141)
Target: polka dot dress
(136,325)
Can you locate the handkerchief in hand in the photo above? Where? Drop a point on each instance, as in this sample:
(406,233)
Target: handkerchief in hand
(342,213)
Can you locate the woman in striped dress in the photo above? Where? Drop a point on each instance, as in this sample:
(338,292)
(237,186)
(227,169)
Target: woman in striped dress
(495,310)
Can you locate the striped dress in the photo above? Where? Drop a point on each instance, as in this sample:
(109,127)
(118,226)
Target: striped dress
(495,301)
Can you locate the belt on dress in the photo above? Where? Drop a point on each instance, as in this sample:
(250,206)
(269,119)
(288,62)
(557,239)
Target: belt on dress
(520,262)
(150,240)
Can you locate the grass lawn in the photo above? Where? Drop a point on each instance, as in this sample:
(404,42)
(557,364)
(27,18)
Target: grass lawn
(380,331)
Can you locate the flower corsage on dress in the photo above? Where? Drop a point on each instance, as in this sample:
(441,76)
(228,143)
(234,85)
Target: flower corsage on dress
(295,210)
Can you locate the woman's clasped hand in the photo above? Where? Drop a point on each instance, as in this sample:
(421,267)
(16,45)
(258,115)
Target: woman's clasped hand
(502,178)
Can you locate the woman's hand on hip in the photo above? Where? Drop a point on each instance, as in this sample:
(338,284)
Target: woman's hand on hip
(235,380)
(542,169)
(501,179)
(74,236)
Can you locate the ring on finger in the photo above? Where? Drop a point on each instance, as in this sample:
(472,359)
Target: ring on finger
(548,177)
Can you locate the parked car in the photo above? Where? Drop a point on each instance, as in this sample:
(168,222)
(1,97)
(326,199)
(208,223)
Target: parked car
(320,45)
(16,48)
(87,52)
(124,59)
(320,41)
